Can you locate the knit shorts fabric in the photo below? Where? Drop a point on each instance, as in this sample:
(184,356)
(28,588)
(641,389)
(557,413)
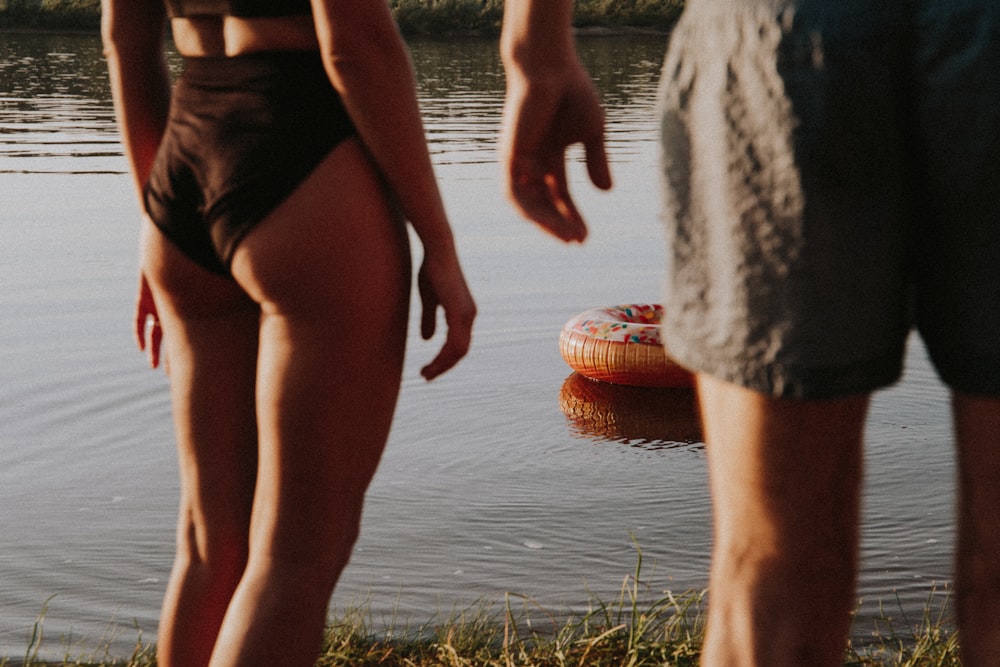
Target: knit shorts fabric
(831,179)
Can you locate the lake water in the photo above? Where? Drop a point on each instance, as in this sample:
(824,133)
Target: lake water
(495,480)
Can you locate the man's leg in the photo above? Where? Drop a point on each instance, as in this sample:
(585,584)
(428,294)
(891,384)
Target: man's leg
(785,477)
(977,577)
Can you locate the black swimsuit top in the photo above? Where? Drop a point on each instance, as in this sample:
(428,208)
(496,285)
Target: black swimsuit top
(242,8)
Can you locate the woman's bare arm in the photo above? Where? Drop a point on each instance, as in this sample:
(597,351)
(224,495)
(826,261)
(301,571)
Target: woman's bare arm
(370,67)
(132,31)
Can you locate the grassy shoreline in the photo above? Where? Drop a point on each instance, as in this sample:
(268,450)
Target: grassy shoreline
(668,634)
(640,628)
(430,18)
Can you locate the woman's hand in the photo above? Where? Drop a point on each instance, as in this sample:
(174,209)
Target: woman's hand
(441,283)
(148,332)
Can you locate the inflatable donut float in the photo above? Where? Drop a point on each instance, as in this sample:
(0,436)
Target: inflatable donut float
(621,345)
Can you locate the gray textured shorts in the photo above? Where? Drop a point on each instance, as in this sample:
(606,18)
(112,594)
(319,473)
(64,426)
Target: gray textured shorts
(832,179)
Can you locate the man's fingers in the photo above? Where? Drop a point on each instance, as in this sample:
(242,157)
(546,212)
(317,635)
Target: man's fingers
(545,200)
(597,164)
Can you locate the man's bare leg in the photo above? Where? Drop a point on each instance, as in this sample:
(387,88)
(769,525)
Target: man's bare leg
(785,477)
(977,577)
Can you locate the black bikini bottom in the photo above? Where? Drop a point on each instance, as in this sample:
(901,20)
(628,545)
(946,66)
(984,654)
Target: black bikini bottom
(243,133)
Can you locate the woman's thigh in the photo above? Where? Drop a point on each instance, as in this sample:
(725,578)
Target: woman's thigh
(330,269)
(210,335)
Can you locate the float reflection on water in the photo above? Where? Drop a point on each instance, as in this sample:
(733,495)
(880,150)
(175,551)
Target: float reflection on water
(650,417)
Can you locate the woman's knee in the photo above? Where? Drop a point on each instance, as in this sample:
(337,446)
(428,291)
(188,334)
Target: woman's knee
(308,565)
(213,558)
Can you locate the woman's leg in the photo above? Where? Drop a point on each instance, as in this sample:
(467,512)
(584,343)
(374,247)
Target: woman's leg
(785,478)
(211,330)
(977,577)
(330,269)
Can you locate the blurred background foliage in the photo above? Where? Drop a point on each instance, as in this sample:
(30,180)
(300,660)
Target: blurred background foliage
(415,17)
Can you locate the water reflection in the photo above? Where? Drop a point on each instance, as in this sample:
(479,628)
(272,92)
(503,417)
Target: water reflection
(461,84)
(625,71)
(55,111)
(56,65)
(56,114)
(651,418)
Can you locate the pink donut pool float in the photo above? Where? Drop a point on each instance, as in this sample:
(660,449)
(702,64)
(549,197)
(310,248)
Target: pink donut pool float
(621,345)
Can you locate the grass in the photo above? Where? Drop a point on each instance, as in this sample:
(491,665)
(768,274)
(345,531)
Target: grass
(639,628)
(415,17)
(928,642)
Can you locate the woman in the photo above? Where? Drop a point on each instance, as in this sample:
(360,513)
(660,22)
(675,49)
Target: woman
(275,258)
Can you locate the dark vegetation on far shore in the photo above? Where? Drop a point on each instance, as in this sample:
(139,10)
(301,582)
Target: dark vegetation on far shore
(415,17)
